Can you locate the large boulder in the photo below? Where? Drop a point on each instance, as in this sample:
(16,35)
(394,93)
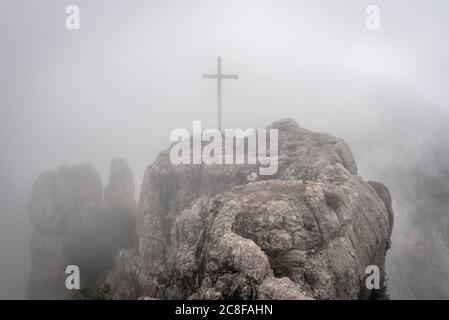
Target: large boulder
(246,243)
(222,231)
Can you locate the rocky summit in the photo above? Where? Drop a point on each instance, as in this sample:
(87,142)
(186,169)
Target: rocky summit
(223,232)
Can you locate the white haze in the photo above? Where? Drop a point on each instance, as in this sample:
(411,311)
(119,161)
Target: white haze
(132,74)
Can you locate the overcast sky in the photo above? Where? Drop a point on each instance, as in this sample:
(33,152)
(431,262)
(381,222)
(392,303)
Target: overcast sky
(132,73)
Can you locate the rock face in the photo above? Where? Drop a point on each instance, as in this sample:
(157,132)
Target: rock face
(60,200)
(308,232)
(120,190)
(73,224)
(63,196)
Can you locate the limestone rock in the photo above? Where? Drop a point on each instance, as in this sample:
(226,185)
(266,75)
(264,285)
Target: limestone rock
(63,196)
(308,232)
(74,225)
(255,235)
(60,200)
(123,279)
(120,189)
(47,276)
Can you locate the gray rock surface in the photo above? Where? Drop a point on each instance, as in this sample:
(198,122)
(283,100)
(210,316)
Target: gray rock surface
(74,224)
(308,232)
(61,199)
(120,189)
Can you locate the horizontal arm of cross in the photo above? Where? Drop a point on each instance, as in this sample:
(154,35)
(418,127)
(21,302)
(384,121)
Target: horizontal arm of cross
(229,76)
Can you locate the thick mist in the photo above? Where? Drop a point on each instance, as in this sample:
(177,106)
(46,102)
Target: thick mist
(132,74)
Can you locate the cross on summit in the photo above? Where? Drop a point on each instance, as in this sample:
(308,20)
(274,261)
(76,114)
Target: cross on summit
(219,76)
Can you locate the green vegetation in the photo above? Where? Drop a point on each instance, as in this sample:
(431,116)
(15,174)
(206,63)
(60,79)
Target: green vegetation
(100,292)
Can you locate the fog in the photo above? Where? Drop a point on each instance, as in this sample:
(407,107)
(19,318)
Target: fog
(132,74)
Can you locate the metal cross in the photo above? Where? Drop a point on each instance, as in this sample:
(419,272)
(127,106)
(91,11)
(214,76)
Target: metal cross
(219,76)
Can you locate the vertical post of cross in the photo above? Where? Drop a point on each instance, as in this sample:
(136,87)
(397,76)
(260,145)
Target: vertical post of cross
(219,93)
(219,76)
